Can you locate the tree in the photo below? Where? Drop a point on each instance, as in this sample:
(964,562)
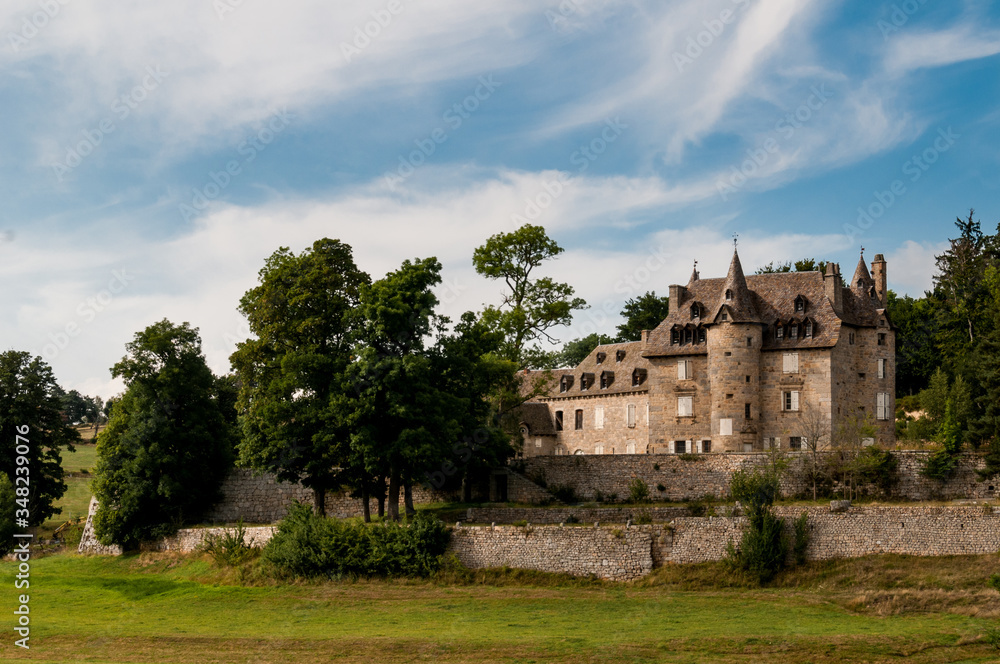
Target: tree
(763,547)
(29,396)
(642,313)
(803,265)
(576,351)
(917,356)
(293,376)
(402,421)
(813,427)
(7,507)
(532,306)
(854,431)
(167,447)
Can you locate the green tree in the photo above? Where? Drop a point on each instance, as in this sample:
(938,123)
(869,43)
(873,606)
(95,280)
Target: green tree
(642,313)
(763,547)
(934,399)
(7,507)
(576,351)
(531,306)
(917,356)
(293,376)
(29,396)
(401,419)
(167,447)
(803,265)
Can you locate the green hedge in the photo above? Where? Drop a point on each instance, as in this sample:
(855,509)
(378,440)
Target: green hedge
(308,545)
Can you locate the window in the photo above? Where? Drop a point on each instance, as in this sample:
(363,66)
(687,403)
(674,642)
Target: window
(630,447)
(883,367)
(790,401)
(795,443)
(729,354)
(680,446)
(882,405)
(800,304)
(701,335)
(850,338)
(881,338)
(580,452)
(729,294)
(684,370)
(779,332)
(808,329)
(599,417)
(559,420)
(586,380)
(867,442)
(638,376)
(706,446)
(674,337)
(599,449)
(748,379)
(600,357)
(619,355)
(685,406)
(746,411)
(578,423)
(793,332)
(538,442)
(630,415)
(749,342)
(688,335)
(565,383)
(695,311)
(790,363)
(607,377)
(724,316)
(726,426)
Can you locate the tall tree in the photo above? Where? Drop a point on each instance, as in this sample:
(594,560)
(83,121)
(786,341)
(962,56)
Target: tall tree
(167,447)
(642,313)
(803,265)
(916,326)
(576,351)
(400,417)
(293,376)
(29,396)
(532,305)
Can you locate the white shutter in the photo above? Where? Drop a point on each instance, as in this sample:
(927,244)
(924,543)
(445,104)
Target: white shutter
(790,363)
(685,406)
(726,427)
(683,369)
(882,367)
(795,400)
(630,415)
(599,417)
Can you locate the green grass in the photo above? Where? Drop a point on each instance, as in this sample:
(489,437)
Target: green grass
(83,459)
(169,609)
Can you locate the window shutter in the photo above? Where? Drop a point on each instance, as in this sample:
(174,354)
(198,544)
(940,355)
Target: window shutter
(683,369)
(726,427)
(599,417)
(791,363)
(795,400)
(685,406)
(630,415)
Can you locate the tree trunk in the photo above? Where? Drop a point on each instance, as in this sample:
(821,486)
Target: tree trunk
(319,501)
(365,503)
(467,486)
(394,494)
(381,497)
(408,499)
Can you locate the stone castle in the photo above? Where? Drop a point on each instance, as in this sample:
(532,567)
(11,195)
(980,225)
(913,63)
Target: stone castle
(741,364)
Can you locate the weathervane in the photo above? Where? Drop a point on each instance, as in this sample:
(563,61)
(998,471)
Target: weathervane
(736,239)
(862,251)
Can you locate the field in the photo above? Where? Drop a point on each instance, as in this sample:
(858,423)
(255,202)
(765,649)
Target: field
(163,608)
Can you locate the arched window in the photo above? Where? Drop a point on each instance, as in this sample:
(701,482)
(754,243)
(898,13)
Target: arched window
(729,294)
(695,311)
(800,304)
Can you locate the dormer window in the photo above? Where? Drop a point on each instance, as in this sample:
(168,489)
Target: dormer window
(586,380)
(800,304)
(600,357)
(724,316)
(688,335)
(565,383)
(701,335)
(695,311)
(729,294)
(808,329)
(674,337)
(793,331)
(638,377)
(607,377)
(619,355)
(779,332)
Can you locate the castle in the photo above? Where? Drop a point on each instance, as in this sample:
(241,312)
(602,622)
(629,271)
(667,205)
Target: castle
(740,364)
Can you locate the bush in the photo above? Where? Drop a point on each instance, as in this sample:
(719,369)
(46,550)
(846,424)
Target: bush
(940,466)
(878,467)
(308,545)
(598,496)
(801,538)
(764,547)
(702,506)
(230,548)
(564,493)
(660,487)
(994,582)
(638,491)
(571,519)
(6,515)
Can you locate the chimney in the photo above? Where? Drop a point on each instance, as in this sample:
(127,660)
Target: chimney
(676,293)
(834,288)
(878,276)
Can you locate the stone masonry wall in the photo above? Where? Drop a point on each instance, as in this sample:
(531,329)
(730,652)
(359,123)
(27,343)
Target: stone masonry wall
(691,477)
(616,554)
(582,514)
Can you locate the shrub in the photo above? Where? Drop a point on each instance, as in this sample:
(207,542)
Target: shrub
(521,523)
(687,456)
(702,506)
(878,467)
(638,491)
(801,538)
(309,545)
(940,466)
(764,547)
(643,517)
(230,548)
(656,466)
(6,514)
(660,487)
(571,519)
(598,496)
(564,493)
(994,582)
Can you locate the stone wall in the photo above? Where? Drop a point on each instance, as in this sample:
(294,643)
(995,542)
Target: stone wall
(692,477)
(189,539)
(88,541)
(582,514)
(615,554)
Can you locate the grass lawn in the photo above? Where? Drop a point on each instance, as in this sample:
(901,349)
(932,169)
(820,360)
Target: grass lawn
(162,608)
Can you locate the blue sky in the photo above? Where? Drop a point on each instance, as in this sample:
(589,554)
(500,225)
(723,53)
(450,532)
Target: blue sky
(154,154)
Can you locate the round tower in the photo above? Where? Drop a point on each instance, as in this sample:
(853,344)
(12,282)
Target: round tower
(734,344)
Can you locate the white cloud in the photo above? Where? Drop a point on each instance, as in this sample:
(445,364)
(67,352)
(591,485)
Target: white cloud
(911,267)
(915,50)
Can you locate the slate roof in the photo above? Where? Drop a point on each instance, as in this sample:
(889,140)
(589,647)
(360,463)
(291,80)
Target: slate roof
(619,373)
(535,415)
(766,299)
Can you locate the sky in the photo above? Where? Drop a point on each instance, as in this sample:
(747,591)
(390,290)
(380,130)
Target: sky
(155,154)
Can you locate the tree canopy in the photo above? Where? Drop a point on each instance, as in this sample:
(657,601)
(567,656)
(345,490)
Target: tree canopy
(642,313)
(30,396)
(167,446)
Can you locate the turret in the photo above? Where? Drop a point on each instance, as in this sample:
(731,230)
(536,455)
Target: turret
(879,277)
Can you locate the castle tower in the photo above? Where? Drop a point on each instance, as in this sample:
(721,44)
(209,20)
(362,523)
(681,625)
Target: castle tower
(862,283)
(734,344)
(879,277)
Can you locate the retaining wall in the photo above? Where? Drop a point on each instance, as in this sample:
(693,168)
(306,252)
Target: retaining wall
(582,514)
(690,477)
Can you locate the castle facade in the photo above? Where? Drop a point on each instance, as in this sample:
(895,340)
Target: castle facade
(741,364)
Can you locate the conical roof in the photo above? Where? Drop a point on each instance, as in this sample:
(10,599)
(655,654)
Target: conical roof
(736,295)
(694,274)
(862,278)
